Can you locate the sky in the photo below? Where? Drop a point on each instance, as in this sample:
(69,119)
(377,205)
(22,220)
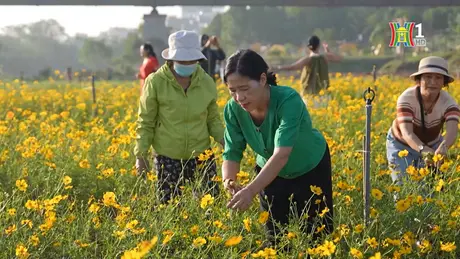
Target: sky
(90,20)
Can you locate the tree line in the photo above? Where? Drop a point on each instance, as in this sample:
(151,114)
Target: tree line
(37,49)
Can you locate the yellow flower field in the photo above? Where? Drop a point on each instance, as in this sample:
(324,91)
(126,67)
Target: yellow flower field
(68,187)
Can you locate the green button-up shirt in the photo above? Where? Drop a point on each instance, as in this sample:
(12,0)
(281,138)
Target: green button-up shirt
(287,124)
(175,122)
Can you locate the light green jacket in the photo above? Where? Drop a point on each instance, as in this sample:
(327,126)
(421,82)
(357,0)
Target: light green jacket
(175,122)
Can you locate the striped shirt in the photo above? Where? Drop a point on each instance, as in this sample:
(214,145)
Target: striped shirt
(408,111)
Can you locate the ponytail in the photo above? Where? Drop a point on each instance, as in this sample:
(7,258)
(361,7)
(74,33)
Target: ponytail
(271,78)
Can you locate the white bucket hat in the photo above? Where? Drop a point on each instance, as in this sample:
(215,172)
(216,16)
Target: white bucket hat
(183,46)
(433,64)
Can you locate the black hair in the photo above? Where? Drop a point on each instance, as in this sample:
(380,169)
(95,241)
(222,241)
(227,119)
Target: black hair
(204,37)
(248,63)
(418,78)
(313,42)
(149,48)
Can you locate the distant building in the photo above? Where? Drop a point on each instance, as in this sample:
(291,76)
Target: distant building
(193,18)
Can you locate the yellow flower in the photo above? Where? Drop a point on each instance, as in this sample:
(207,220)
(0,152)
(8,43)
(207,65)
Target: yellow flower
(94,208)
(84,164)
(21,251)
(21,184)
(108,172)
(435,229)
(437,158)
(356,253)
(266,253)
(217,224)
(167,239)
(444,167)
(263,217)
(403,153)
(109,199)
(372,242)
(9,230)
(81,106)
(402,205)
(374,212)
(80,244)
(359,228)
(124,154)
(242,177)
(440,185)
(324,211)
(199,241)
(393,188)
(215,238)
(67,180)
(119,234)
(233,241)
(206,200)
(376,256)
(448,247)
(27,222)
(34,240)
(132,224)
(194,229)
(425,246)
(291,235)
(12,212)
(456,212)
(316,190)
(320,228)
(377,194)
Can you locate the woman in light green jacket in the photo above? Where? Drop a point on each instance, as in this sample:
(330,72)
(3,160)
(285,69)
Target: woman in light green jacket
(178,114)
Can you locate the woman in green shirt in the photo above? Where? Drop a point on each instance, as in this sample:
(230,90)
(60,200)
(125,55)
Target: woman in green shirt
(292,157)
(178,114)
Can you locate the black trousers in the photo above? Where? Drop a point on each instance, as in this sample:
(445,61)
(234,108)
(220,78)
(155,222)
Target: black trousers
(173,173)
(284,197)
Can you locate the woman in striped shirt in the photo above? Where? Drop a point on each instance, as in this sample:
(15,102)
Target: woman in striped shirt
(422,112)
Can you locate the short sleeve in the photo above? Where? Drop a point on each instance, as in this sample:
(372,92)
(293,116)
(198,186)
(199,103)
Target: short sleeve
(235,143)
(452,111)
(404,111)
(290,114)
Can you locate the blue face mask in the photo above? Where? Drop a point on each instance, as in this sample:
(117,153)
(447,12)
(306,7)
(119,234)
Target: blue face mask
(184,70)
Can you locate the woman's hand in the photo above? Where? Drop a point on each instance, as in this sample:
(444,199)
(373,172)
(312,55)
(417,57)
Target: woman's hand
(442,149)
(242,200)
(142,166)
(222,142)
(427,149)
(231,186)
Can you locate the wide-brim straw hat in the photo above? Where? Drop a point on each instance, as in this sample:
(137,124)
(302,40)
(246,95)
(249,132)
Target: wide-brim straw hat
(183,46)
(433,64)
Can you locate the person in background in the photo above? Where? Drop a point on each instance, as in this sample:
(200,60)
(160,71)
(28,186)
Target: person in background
(422,112)
(293,159)
(178,114)
(149,64)
(213,52)
(315,70)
